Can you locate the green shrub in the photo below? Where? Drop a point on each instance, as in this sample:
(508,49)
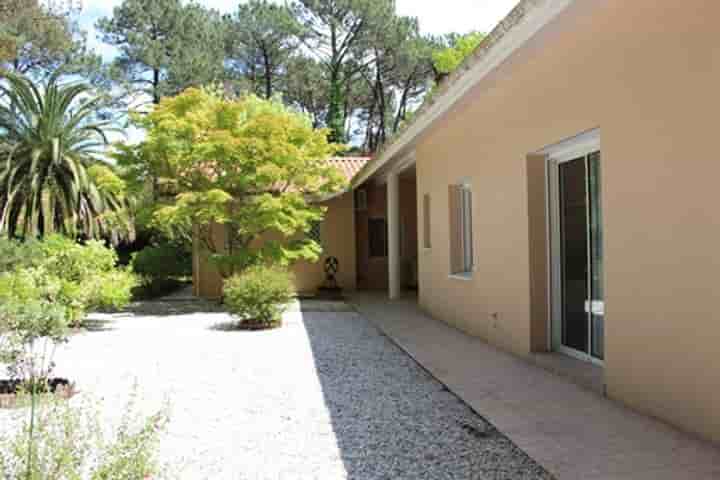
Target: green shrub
(111,291)
(68,442)
(57,269)
(151,288)
(163,261)
(75,262)
(29,332)
(29,284)
(60,256)
(259,295)
(15,254)
(162,268)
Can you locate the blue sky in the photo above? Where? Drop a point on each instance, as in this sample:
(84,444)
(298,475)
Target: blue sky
(436,16)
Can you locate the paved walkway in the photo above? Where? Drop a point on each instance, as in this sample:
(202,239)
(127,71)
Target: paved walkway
(572,432)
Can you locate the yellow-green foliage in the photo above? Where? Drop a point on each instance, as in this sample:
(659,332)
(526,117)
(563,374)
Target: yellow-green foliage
(59,270)
(260,294)
(252,165)
(106,180)
(449,59)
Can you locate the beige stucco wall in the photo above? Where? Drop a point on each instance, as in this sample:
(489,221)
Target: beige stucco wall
(207,281)
(338,237)
(647,73)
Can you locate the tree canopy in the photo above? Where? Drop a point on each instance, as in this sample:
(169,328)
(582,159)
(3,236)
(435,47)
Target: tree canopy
(41,38)
(262,37)
(459,47)
(355,66)
(339,33)
(165,46)
(250,164)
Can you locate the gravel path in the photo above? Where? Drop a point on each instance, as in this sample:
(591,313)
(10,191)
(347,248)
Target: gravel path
(325,397)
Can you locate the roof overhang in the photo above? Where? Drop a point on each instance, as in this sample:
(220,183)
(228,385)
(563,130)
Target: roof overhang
(518,28)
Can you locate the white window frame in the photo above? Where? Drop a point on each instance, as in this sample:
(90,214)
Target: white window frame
(573,148)
(427,222)
(465,228)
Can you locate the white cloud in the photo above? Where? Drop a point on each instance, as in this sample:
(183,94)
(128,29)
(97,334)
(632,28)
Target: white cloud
(462,16)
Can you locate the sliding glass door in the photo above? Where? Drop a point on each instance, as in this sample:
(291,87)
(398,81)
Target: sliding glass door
(577,254)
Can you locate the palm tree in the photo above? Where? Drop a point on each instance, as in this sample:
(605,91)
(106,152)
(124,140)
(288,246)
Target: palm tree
(49,140)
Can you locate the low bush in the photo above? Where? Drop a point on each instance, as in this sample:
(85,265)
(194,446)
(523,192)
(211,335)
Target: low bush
(59,270)
(111,291)
(151,288)
(163,261)
(75,262)
(68,442)
(30,331)
(163,269)
(259,295)
(14,254)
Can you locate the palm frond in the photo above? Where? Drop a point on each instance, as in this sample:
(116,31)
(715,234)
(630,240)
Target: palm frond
(50,136)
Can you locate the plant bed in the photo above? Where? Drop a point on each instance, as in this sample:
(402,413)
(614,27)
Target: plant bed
(247,326)
(255,325)
(12,394)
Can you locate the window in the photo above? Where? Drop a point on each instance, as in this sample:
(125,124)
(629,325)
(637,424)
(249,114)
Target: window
(315,232)
(426,221)
(377,233)
(361,200)
(461,234)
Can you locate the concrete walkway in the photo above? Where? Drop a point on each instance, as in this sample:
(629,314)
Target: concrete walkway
(573,432)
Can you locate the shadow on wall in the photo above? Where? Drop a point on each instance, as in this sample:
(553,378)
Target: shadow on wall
(391,419)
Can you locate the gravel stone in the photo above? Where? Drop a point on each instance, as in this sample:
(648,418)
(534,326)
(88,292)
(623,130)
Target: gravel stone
(325,397)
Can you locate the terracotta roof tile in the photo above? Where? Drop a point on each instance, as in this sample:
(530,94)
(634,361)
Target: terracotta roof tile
(349,166)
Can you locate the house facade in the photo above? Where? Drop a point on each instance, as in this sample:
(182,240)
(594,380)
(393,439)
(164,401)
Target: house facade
(557,198)
(336,234)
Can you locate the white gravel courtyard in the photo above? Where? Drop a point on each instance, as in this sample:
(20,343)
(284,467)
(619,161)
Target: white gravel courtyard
(325,397)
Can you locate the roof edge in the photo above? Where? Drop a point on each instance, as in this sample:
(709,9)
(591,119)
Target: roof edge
(515,30)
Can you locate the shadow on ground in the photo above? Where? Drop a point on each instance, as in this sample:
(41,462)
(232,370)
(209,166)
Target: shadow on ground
(167,307)
(300,305)
(393,420)
(94,325)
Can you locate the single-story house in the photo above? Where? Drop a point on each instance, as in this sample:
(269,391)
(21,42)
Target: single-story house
(558,195)
(336,234)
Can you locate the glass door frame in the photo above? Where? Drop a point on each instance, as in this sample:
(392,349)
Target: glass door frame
(576,148)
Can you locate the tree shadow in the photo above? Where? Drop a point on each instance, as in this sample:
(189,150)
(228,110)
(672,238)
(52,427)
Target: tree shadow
(95,325)
(228,326)
(314,305)
(235,325)
(167,307)
(392,419)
